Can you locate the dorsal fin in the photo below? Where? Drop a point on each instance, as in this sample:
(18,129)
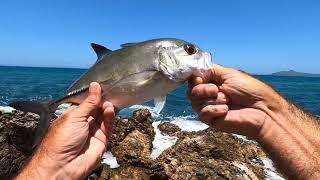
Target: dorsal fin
(100,50)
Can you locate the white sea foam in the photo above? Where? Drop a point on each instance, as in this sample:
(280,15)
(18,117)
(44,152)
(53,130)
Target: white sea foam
(270,171)
(187,123)
(110,160)
(245,139)
(61,108)
(6,109)
(161,142)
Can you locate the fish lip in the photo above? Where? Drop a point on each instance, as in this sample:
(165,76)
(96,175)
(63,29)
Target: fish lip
(204,65)
(208,58)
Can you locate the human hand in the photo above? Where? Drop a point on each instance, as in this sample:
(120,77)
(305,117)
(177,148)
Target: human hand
(75,142)
(232,101)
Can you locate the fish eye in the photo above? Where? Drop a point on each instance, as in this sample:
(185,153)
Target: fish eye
(190,49)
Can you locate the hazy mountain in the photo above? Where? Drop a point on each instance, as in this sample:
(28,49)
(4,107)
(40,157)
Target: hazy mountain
(294,73)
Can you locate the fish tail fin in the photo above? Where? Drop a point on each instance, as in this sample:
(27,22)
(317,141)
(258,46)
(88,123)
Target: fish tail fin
(43,110)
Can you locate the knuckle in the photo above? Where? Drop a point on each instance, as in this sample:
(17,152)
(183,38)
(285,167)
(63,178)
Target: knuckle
(214,109)
(205,111)
(211,90)
(222,98)
(91,100)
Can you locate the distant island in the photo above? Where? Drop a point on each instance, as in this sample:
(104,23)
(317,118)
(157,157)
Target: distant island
(294,73)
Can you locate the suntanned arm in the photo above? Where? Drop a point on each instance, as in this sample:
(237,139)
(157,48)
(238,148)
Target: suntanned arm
(292,139)
(232,101)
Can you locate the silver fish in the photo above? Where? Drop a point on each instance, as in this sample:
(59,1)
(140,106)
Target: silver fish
(139,72)
(136,73)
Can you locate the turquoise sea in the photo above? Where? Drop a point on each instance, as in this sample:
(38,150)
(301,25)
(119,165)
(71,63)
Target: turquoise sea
(42,84)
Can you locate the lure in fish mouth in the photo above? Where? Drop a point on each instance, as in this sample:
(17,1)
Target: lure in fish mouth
(133,74)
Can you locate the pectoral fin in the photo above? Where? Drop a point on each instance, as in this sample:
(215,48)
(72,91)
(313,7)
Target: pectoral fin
(159,103)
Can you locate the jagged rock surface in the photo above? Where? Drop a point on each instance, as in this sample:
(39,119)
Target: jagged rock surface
(168,128)
(16,138)
(196,155)
(204,154)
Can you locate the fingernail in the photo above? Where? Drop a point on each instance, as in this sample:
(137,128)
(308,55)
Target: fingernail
(93,90)
(93,87)
(225,108)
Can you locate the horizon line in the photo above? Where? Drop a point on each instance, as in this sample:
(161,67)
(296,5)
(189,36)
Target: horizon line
(43,67)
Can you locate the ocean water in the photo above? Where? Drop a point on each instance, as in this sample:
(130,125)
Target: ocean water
(44,84)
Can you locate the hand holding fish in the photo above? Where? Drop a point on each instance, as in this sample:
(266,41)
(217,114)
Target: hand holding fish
(75,142)
(235,102)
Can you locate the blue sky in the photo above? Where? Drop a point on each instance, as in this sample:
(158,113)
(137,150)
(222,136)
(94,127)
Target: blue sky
(255,36)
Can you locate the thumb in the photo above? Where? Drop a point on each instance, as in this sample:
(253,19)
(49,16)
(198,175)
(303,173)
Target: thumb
(93,100)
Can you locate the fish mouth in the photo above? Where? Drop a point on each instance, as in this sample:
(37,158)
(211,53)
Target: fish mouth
(207,60)
(204,65)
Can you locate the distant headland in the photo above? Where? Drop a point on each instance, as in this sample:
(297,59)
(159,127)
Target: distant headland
(294,73)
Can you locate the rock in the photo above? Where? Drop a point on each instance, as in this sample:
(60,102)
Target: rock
(16,136)
(196,155)
(168,128)
(124,172)
(95,174)
(140,120)
(252,151)
(134,149)
(119,132)
(205,154)
(22,129)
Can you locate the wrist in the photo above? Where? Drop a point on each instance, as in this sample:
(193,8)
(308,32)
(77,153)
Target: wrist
(276,120)
(43,166)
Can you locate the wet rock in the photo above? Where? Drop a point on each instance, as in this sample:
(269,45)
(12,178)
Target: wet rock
(252,151)
(119,132)
(16,136)
(140,120)
(196,155)
(124,172)
(95,174)
(135,149)
(168,128)
(22,129)
(206,154)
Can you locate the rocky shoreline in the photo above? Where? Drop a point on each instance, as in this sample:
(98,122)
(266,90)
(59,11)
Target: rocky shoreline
(195,155)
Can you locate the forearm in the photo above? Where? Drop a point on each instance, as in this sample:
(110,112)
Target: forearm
(291,138)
